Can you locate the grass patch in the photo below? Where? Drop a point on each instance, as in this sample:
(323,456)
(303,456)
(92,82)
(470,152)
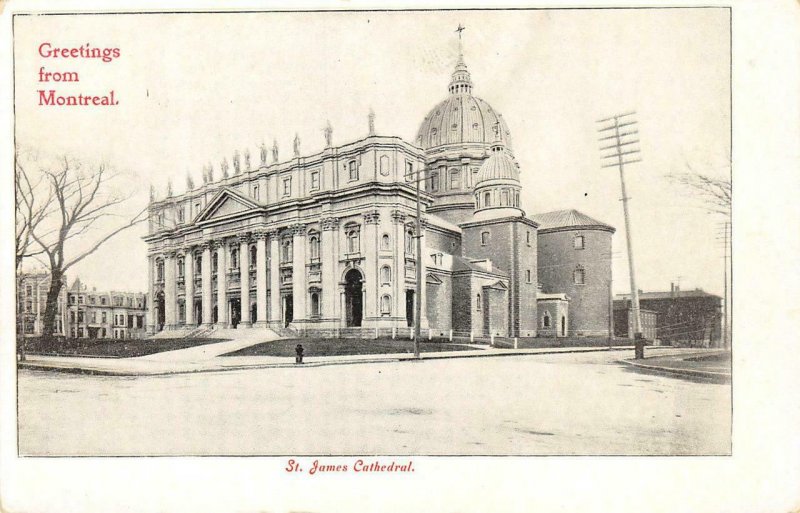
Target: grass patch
(109,348)
(343,346)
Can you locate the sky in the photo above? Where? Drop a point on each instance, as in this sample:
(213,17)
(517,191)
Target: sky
(194,88)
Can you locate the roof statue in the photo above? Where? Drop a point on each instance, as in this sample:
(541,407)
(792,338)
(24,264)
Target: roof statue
(224,166)
(152,193)
(371,119)
(274,150)
(189,181)
(263,149)
(237,166)
(296,144)
(169,188)
(247,159)
(328,135)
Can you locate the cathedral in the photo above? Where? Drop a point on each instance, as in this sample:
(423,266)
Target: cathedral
(325,244)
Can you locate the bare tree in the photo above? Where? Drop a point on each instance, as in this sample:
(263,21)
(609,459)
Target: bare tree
(32,202)
(84,204)
(714,193)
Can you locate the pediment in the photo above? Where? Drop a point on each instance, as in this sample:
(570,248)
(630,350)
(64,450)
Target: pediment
(225,204)
(432,280)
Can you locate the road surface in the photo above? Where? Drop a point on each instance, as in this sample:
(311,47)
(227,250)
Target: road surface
(582,404)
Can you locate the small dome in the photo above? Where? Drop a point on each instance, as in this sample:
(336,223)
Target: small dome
(500,166)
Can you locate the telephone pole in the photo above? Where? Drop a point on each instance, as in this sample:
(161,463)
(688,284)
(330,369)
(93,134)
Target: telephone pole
(417,177)
(620,137)
(726,232)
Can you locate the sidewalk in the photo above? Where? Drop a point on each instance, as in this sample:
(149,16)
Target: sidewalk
(193,360)
(677,365)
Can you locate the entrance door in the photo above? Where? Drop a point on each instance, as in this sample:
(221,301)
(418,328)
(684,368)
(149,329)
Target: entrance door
(410,307)
(253,312)
(198,312)
(160,311)
(236,312)
(288,310)
(353,297)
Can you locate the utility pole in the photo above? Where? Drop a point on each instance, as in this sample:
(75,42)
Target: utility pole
(726,227)
(417,177)
(623,152)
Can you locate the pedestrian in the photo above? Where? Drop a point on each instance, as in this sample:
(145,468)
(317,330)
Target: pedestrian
(298,354)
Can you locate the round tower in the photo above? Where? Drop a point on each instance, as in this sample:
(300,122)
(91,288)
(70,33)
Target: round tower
(497,186)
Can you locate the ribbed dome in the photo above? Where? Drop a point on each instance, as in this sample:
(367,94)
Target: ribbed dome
(462,118)
(500,166)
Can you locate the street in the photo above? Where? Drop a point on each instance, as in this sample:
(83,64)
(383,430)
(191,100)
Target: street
(582,404)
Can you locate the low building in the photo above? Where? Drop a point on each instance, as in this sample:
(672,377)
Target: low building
(109,315)
(32,289)
(685,317)
(623,321)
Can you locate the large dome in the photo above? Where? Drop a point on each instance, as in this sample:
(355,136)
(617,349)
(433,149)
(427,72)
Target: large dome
(462,118)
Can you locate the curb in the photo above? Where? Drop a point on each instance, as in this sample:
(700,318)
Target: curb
(717,377)
(108,372)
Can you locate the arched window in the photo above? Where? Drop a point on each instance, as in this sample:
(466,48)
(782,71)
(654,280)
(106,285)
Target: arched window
(478,302)
(181,267)
(546,320)
(386,304)
(353,240)
(255,192)
(455,179)
(386,275)
(315,304)
(386,242)
(286,250)
(234,258)
(433,181)
(352,167)
(253,257)
(487,199)
(160,270)
(313,246)
(579,276)
(504,198)
(198,264)
(409,241)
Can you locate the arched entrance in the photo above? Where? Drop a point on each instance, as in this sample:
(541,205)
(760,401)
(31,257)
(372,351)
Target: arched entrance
(410,307)
(236,312)
(353,297)
(253,312)
(288,310)
(160,315)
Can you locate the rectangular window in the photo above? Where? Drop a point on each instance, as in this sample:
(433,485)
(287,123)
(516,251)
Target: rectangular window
(578,242)
(433,182)
(315,180)
(287,186)
(353,168)
(180,214)
(255,192)
(455,179)
(528,275)
(196,208)
(484,238)
(104,317)
(579,277)
(528,237)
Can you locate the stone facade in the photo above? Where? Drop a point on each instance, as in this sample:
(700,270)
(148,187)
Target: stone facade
(109,315)
(326,243)
(32,288)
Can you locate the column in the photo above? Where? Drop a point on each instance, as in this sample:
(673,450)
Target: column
(330,268)
(399,263)
(299,291)
(274,280)
(188,280)
(423,286)
(222,285)
(261,279)
(244,279)
(151,296)
(371,279)
(170,284)
(205,274)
